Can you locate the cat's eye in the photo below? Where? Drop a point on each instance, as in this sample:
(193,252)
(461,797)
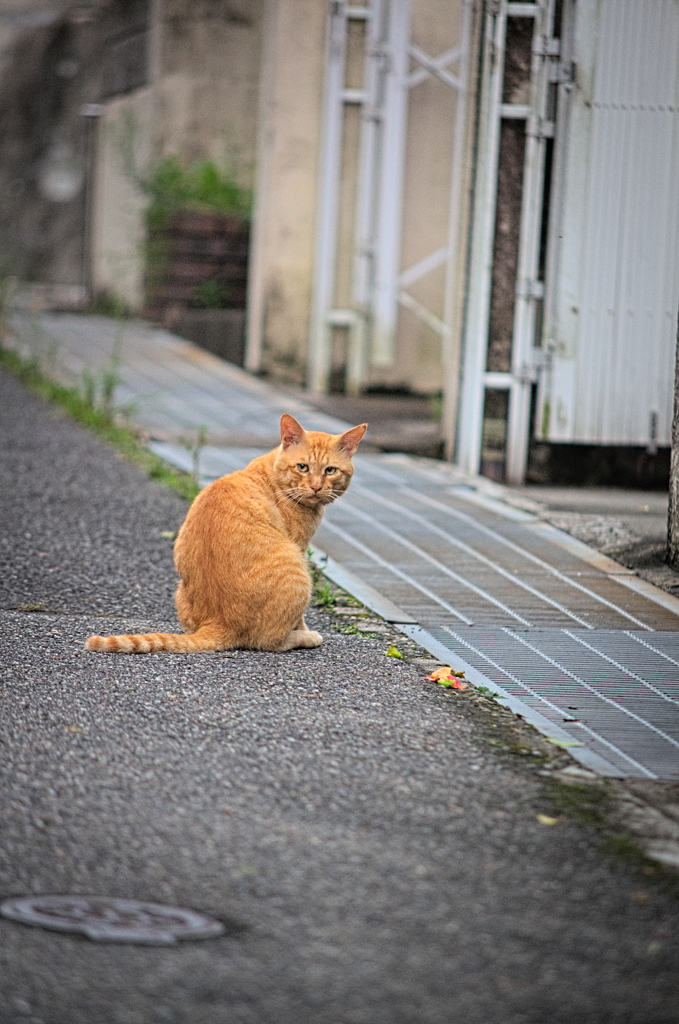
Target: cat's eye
(302,467)
(331,469)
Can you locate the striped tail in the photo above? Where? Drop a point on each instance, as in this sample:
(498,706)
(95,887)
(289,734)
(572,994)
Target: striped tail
(207,638)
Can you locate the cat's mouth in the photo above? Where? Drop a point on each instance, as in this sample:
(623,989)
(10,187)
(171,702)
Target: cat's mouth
(310,499)
(313,500)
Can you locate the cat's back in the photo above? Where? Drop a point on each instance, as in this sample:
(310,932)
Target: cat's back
(239,501)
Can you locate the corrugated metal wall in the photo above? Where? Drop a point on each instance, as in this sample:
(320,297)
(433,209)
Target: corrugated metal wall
(616,282)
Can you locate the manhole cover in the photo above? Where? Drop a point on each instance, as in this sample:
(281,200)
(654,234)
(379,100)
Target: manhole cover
(111,920)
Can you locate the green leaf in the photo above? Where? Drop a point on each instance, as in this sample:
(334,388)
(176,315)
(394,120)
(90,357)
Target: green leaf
(564,743)
(487,692)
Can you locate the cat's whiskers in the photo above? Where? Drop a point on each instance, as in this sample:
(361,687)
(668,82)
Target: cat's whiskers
(295,494)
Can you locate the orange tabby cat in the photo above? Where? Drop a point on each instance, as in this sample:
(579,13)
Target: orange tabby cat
(241,550)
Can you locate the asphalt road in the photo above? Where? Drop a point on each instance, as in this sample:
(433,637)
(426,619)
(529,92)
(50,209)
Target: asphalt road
(375,859)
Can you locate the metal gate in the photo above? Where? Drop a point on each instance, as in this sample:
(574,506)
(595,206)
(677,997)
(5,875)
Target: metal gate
(519,106)
(595,268)
(613,290)
(365,276)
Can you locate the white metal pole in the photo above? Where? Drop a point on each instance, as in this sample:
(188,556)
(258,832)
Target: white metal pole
(256,268)
(372,124)
(320,342)
(390,200)
(475,342)
(448,341)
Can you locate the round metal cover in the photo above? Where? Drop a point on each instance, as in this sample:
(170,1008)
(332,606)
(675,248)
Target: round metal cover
(105,919)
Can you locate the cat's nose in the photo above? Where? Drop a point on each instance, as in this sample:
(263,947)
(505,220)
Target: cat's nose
(315,487)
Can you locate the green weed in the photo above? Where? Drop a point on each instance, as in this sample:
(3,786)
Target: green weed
(210,294)
(588,804)
(195,448)
(352,629)
(485,691)
(323,594)
(98,417)
(172,186)
(106,304)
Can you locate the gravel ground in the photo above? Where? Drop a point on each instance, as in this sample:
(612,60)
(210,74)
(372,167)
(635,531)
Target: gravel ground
(375,858)
(627,525)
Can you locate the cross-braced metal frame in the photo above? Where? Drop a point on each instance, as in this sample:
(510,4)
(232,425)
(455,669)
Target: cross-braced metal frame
(394,65)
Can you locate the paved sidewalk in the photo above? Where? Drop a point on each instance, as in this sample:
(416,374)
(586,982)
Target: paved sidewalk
(373,843)
(582,647)
(170,388)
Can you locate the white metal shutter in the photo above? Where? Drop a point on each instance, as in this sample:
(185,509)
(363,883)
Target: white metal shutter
(612,299)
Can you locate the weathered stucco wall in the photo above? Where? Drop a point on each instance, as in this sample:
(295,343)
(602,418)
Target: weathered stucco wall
(48,69)
(208,85)
(125,134)
(201,103)
(281,269)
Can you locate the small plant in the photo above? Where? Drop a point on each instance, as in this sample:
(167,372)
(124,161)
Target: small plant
(98,389)
(107,304)
(109,381)
(195,448)
(323,594)
(485,691)
(352,629)
(210,294)
(89,387)
(171,186)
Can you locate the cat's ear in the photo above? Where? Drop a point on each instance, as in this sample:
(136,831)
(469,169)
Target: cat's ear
(350,440)
(291,431)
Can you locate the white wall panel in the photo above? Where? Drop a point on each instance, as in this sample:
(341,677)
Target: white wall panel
(617,287)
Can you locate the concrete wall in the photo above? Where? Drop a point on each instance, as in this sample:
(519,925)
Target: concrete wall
(49,67)
(208,81)
(281,269)
(201,103)
(124,144)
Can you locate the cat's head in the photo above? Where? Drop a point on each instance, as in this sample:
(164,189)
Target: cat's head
(313,468)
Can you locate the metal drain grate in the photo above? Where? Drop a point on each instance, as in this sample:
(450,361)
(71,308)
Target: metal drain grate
(481,568)
(106,919)
(614,695)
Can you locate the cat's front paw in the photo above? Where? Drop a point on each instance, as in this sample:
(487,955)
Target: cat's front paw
(301,638)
